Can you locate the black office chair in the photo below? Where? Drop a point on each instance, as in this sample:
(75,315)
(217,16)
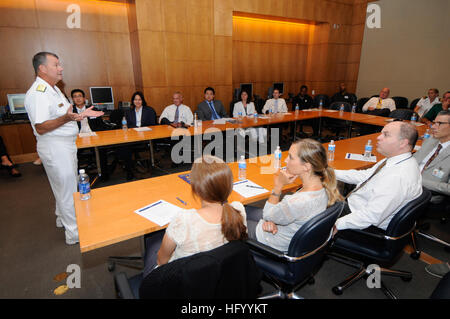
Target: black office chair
(116,117)
(337,126)
(400,102)
(361,248)
(289,271)
(401,114)
(414,103)
(321,97)
(360,104)
(442,290)
(228,271)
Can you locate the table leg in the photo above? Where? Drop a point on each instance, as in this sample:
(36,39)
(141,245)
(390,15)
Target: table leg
(151,153)
(99,168)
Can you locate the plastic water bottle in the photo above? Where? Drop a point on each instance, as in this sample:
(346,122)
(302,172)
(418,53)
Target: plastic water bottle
(368,150)
(354,108)
(124,124)
(427,134)
(255,116)
(331,150)
(341,108)
(297,108)
(414,117)
(277,154)
(240,115)
(320,105)
(271,112)
(83,185)
(242,169)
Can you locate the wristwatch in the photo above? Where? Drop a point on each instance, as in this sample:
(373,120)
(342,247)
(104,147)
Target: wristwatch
(276,194)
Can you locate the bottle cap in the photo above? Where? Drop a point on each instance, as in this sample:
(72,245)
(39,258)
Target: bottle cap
(82,171)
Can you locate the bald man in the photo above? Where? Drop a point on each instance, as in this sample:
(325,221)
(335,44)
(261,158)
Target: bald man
(381,102)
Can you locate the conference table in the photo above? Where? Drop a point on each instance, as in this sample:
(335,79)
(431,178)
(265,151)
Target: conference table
(108,217)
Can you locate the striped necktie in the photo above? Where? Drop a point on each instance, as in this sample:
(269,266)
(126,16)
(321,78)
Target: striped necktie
(367,180)
(177,115)
(432,157)
(214,113)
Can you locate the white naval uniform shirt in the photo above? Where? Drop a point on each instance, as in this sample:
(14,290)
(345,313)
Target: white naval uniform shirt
(384,195)
(44,102)
(184,113)
(270,104)
(385,104)
(426,105)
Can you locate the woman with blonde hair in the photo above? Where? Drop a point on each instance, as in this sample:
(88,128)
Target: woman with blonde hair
(277,223)
(196,230)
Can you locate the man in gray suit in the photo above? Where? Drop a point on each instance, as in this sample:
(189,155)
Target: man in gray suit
(210,109)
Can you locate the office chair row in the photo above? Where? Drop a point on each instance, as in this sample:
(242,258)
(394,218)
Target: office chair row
(235,269)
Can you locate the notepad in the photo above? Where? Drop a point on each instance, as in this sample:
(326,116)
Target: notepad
(360,157)
(87,134)
(142,129)
(248,189)
(160,212)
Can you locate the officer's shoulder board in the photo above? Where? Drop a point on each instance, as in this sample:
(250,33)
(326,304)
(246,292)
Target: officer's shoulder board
(41,88)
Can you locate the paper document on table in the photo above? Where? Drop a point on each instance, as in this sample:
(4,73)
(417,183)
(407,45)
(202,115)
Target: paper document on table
(87,134)
(360,157)
(248,189)
(418,124)
(142,129)
(160,212)
(331,111)
(220,121)
(309,110)
(263,117)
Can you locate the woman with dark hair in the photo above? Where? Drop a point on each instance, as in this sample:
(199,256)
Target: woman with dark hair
(277,223)
(140,115)
(196,230)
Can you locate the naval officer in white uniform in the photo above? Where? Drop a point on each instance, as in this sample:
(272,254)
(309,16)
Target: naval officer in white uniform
(54,125)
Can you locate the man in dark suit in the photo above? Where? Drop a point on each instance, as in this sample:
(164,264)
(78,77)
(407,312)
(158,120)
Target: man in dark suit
(210,109)
(88,125)
(343,95)
(303,100)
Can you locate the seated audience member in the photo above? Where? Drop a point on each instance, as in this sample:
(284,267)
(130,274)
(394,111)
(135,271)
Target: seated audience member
(385,188)
(197,230)
(303,100)
(177,114)
(276,104)
(6,161)
(89,125)
(434,111)
(434,158)
(140,115)
(210,109)
(343,95)
(277,223)
(427,102)
(381,105)
(246,107)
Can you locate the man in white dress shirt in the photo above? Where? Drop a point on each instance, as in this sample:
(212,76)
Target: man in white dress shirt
(427,102)
(385,188)
(275,105)
(177,114)
(381,102)
(54,125)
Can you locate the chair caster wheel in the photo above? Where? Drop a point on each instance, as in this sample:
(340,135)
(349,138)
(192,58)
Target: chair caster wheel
(415,255)
(311,281)
(337,290)
(111,266)
(406,279)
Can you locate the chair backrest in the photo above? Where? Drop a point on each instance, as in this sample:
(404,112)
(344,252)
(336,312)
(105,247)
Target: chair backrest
(311,236)
(116,117)
(414,103)
(404,219)
(325,100)
(360,104)
(337,106)
(400,102)
(228,271)
(403,114)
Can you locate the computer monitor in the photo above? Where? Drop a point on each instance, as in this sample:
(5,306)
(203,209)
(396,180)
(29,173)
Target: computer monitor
(248,87)
(279,86)
(102,97)
(16,103)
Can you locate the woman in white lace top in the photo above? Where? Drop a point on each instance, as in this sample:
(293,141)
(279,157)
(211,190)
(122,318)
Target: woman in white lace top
(197,230)
(277,223)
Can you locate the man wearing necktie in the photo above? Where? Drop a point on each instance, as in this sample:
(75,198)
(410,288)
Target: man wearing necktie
(381,102)
(389,185)
(177,114)
(210,109)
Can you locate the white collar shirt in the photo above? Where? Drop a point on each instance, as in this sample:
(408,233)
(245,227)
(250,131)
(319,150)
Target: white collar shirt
(281,106)
(425,105)
(384,195)
(138,116)
(184,114)
(43,103)
(239,108)
(385,104)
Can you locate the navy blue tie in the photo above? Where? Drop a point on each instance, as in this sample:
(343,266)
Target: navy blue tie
(215,116)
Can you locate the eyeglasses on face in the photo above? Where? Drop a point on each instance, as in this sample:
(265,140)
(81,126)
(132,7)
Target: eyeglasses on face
(439,123)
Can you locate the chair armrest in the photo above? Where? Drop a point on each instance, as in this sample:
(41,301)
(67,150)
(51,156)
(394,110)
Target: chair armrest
(109,124)
(260,247)
(123,286)
(366,233)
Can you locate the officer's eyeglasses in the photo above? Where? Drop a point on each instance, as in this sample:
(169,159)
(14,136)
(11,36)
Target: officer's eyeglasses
(439,123)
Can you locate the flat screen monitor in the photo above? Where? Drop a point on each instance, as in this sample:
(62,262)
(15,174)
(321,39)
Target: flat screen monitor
(248,87)
(279,86)
(102,97)
(16,103)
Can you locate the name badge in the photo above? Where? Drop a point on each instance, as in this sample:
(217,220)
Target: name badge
(61,104)
(438,173)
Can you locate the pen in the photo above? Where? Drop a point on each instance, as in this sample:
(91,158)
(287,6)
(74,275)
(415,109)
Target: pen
(182,201)
(145,208)
(237,183)
(255,186)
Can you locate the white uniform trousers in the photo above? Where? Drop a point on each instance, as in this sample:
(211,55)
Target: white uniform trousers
(59,157)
